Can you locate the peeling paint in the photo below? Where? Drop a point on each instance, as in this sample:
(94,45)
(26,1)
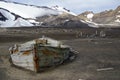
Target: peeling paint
(39,53)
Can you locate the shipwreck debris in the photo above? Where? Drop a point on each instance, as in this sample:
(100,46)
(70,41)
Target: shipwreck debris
(39,53)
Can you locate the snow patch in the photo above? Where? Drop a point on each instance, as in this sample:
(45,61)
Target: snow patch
(117,20)
(67,20)
(83,21)
(117,16)
(21,22)
(90,16)
(92,24)
(7,23)
(34,22)
(7,14)
(17,23)
(61,9)
(11,22)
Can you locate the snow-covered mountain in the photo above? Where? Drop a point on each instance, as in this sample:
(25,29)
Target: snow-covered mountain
(105,18)
(86,16)
(61,9)
(108,17)
(14,14)
(62,20)
(28,12)
(8,19)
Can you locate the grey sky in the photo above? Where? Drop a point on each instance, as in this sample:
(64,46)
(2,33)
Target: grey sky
(77,6)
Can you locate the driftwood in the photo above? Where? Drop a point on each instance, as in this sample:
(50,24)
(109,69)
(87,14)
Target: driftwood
(104,69)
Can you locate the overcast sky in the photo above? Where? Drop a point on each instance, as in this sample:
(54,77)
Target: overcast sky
(76,6)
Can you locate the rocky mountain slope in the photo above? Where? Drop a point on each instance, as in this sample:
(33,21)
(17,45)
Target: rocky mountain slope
(24,11)
(108,17)
(62,20)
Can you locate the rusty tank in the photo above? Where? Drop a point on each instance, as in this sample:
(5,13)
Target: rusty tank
(40,53)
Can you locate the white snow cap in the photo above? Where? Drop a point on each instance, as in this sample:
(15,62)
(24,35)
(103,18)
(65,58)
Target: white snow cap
(90,15)
(61,9)
(118,20)
(117,16)
(27,11)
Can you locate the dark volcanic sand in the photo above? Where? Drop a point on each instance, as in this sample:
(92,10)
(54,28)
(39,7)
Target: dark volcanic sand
(93,54)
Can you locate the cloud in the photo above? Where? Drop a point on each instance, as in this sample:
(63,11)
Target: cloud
(77,6)
(94,5)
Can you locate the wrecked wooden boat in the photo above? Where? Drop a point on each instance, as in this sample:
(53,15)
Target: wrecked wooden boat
(39,53)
